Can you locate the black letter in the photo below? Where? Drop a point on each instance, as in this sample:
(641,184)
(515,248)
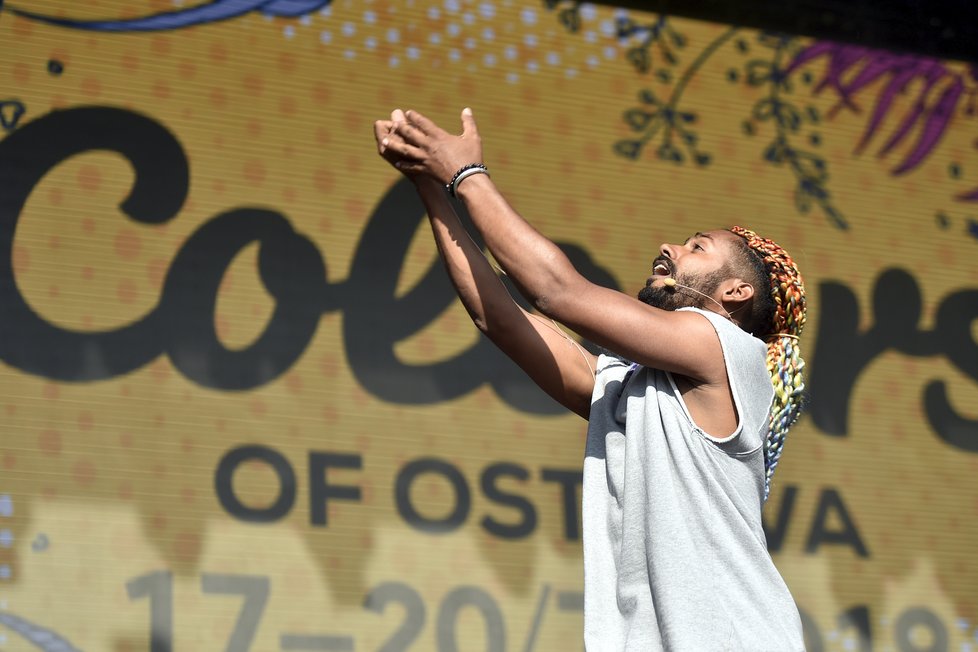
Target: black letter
(224,487)
(27,341)
(402,495)
(848,535)
(569,481)
(954,319)
(529,521)
(843,352)
(320,490)
(291,270)
(919,618)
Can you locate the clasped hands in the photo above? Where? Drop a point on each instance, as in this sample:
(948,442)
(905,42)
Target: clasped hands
(421,149)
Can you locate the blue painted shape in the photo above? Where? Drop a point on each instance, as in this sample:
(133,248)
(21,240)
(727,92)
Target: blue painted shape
(11,111)
(973,228)
(211,12)
(44,639)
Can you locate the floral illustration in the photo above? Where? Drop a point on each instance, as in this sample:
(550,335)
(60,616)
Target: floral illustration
(864,80)
(937,98)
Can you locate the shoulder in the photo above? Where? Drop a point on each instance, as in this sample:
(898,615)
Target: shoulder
(744,357)
(732,335)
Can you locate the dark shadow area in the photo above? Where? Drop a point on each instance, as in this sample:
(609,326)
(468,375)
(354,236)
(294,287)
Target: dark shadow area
(941,28)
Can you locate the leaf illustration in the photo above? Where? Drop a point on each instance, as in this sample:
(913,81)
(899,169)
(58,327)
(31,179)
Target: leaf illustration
(968,196)
(11,111)
(648,97)
(638,119)
(759,71)
(570,19)
(934,127)
(775,152)
(639,57)
(628,148)
(811,167)
(884,103)
(853,69)
(669,152)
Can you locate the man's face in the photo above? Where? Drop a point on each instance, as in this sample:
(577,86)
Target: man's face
(699,263)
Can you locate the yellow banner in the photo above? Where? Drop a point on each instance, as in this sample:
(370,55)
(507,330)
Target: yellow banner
(243,409)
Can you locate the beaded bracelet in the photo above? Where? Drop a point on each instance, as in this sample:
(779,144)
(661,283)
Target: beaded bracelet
(465,171)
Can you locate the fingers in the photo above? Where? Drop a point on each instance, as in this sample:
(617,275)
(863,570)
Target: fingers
(469,129)
(388,134)
(392,144)
(397,125)
(382,129)
(410,167)
(425,125)
(414,127)
(411,134)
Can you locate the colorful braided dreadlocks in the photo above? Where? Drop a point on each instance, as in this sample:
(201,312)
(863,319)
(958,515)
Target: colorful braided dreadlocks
(784,360)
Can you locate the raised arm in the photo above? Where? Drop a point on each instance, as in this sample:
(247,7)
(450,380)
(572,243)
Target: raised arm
(557,364)
(682,342)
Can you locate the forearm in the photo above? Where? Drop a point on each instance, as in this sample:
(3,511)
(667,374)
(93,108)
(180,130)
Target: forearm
(483,295)
(540,270)
(537,266)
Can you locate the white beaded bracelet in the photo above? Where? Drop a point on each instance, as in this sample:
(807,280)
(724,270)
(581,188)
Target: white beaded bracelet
(463,172)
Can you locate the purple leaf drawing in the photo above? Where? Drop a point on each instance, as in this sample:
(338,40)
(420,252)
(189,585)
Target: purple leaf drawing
(937,89)
(968,196)
(934,127)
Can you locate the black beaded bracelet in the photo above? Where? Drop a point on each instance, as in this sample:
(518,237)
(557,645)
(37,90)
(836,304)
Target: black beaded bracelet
(465,171)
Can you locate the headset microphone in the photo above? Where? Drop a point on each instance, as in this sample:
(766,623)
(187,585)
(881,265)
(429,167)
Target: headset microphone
(671,283)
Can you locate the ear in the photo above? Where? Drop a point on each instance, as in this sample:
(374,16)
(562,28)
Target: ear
(736,294)
(735,298)
(738,290)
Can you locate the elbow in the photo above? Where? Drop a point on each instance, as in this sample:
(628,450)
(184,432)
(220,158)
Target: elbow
(492,317)
(543,304)
(481,323)
(554,300)
(548,295)
(544,283)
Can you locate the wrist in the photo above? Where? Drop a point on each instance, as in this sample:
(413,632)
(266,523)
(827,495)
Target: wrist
(426,182)
(472,184)
(463,173)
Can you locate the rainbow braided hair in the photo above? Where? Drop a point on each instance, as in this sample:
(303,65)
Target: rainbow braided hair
(784,360)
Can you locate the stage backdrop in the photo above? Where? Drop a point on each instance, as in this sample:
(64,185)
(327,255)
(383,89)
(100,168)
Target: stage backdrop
(242,408)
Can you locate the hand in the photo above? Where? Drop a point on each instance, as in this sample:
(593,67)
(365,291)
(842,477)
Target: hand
(384,133)
(417,146)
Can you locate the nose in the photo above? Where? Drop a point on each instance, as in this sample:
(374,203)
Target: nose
(668,250)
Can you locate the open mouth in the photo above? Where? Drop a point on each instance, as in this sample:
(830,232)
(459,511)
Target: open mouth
(661,268)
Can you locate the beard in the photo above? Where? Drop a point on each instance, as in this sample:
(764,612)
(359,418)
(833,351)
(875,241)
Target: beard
(661,297)
(671,298)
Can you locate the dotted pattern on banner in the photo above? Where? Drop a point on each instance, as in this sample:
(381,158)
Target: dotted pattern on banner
(118,474)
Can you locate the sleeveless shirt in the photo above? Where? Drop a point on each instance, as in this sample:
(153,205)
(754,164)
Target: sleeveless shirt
(674,554)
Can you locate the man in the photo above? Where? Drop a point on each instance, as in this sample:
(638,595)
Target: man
(683,437)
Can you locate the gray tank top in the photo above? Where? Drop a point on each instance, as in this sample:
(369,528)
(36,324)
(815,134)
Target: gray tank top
(674,554)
